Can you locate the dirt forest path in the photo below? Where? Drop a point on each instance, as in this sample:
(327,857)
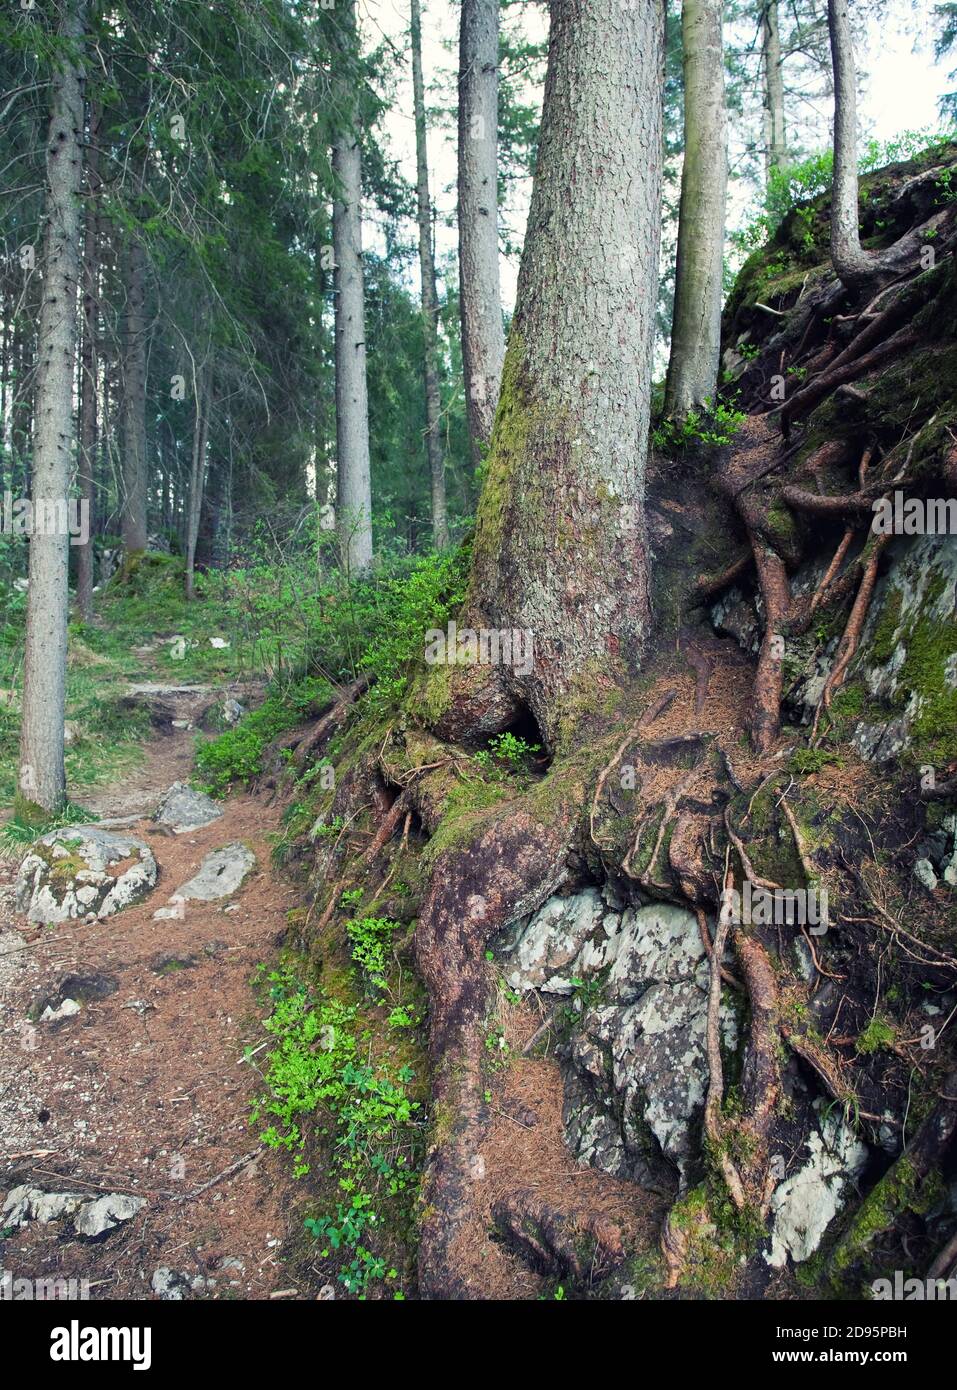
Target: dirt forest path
(145,1092)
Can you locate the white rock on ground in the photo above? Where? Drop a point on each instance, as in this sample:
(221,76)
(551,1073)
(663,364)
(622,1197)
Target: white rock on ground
(67,874)
(804,1205)
(221,874)
(95,1218)
(91,1217)
(184,809)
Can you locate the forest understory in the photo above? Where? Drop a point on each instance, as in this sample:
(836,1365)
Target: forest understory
(559,905)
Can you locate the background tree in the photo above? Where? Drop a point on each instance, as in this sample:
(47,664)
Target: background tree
(430,309)
(696,327)
(483,339)
(42,776)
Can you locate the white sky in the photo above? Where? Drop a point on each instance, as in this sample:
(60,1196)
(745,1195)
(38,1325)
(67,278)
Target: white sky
(899,92)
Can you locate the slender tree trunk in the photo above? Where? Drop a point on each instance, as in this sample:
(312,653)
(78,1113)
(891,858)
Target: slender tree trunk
(696,330)
(135,478)
(430,305)
(483,337)
(197,479)
(42,779)
(775,130)
(354,488)
(560,551)
(88,367)
(851,263)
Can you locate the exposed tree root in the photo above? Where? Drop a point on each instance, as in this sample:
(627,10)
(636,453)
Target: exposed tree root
(852,632)
(554,1242)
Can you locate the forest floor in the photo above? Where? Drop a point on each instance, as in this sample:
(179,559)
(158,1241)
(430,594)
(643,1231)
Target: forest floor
(146,1091)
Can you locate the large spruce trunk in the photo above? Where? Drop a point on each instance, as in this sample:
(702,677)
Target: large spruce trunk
(483,337)
(560,549)
(42,778)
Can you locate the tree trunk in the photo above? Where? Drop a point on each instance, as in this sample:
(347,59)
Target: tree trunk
(135,479)
(354,489)
(775,133)
(851,263)
(197,479)
(560,551)
(430,304)
(696,330)
(483,337)
(88,368)
(42,778)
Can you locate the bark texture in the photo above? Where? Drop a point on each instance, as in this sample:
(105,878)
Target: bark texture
(483,336)
(42,778)
(851,263)
(560,547)
(696,330)
(354,487)
(775,132)
(430,302)
(88,366)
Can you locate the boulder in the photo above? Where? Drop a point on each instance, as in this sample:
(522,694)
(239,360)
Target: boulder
(804,1205)
(105,1214)
(221,874)
(636,1066)
(83,870)
(92,1217)
(184,809)
(545,953)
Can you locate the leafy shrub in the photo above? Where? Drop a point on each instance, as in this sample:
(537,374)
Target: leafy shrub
(236,756)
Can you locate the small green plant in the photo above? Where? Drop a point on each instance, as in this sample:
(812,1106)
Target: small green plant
(506,756)
(878,1033)
(808,760)
(715,425)
(371,939)
(319,1080)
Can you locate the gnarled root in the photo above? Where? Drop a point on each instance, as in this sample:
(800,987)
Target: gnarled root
(555,1241)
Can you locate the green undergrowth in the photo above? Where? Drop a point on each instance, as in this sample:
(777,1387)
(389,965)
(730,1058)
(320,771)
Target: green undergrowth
(376,628)
(345,1097)
(236,756)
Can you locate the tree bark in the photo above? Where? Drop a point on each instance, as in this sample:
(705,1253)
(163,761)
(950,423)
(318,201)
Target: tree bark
(483,336)
(42,781)
(197,479)
(775,131)
(354,488)
(135,480)
(852,264)
(430,305)
(88,367)
(560,549)
(696,330)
